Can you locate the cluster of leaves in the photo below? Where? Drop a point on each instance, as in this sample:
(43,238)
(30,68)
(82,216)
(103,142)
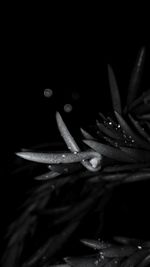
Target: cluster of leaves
(124,253)
(79,184)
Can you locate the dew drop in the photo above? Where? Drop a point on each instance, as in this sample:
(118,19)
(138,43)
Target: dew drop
(102,256)
(63,156)
(110,123)
(48,93)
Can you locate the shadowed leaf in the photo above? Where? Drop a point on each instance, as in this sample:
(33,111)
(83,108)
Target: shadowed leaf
(140,142)
(114,90)
(86,261)
(109,151)
(136,77)
(134,259)
(107,131)
(140,130)
(138,154)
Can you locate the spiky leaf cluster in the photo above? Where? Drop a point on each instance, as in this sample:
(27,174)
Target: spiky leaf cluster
(77,185)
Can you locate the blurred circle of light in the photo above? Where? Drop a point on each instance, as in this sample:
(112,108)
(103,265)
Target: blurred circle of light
(67,108)
(48,93)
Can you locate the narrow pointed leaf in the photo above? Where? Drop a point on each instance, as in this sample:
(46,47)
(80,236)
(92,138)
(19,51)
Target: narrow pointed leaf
(141,99)
(136,77)
(65,168)
(144,117)
(142,109)
(124,167)
(72,145)
(106,131)
(52,245)
(140,142)
(140,130)
(145,262)
(134,259)
(138,154)
(109,151)
(57,158)
(139,176)
(47,176)
(87,261)
(95,244)
(114,90)
(117,251)
(86,135)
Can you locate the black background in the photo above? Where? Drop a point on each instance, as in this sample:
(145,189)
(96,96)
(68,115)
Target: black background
(65,60)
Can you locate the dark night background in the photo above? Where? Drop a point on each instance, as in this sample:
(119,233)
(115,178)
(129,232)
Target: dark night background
(67,60)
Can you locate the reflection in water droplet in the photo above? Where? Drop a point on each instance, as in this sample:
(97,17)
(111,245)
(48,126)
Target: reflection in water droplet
(67,108)
(48,93)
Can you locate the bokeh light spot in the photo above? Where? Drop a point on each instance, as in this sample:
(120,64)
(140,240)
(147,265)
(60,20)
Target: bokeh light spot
(67,108)
(48,93)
